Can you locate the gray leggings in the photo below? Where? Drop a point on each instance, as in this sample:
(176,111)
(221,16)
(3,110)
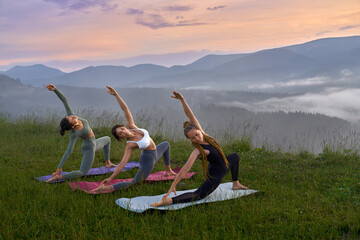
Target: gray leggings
(147,160)
(89,147)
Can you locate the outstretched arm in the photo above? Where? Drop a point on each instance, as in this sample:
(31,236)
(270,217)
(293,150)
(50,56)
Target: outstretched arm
(68,151)
(128,149)
(68,109)
(187,109)
(129,119)
(184,170)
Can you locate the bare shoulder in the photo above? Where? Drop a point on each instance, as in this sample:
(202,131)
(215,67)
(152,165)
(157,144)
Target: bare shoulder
(198,153)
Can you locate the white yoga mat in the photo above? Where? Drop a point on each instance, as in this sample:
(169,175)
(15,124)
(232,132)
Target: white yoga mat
(141,204)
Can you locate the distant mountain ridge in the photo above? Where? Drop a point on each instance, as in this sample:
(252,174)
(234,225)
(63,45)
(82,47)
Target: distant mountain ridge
(25,73)
(321,49)
(285,69)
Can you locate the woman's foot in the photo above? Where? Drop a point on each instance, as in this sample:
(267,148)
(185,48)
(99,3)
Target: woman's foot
(164,202)
(101,189)
(237,186)
(54,178)
(170,173)
(109,164)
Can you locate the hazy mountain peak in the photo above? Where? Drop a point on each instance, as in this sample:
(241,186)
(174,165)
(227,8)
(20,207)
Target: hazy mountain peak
(321,49)
(277,57)
(36,71)
(32,67)
(213,60)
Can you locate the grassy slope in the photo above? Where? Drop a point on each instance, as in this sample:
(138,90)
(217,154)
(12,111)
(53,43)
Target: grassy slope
(306,196)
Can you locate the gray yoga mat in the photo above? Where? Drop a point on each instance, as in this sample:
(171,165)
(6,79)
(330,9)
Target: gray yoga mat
(221,193)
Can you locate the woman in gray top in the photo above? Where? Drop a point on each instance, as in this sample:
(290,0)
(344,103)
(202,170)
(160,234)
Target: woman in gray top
(80,128)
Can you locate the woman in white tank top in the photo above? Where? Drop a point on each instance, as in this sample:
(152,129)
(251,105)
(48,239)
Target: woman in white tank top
(137,138)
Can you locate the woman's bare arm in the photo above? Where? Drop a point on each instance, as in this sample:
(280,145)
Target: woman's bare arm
(124,160)
(129,118)
(187,109)
(184,170)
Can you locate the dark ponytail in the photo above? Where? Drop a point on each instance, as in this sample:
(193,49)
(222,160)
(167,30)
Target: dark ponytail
(64,126)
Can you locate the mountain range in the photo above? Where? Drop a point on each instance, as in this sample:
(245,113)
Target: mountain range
(307,67)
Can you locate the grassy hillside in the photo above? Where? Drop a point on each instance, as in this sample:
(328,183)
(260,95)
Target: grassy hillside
(305,196)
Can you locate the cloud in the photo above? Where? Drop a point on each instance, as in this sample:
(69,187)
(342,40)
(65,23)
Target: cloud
(340,29)
(199,88)
(322,33)
(76,5)
(292,83)
(346,73)
(132,11)
(215,8)
(336,102)
(177,8)
(348,27)
(156,21)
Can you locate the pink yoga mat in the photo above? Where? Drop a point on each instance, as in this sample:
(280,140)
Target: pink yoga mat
(157,176)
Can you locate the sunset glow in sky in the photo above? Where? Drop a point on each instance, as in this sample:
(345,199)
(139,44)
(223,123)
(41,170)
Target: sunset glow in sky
(44,31)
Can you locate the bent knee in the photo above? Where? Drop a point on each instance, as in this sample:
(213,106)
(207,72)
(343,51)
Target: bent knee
(107,139)
(164,144)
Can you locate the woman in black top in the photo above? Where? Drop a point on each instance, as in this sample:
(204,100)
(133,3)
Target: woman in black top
(207,149)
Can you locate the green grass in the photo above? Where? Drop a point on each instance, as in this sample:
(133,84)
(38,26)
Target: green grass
(306,196)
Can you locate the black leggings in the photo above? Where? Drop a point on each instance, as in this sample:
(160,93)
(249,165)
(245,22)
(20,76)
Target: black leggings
(216,175)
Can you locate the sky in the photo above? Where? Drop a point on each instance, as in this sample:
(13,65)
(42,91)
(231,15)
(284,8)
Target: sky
(72,34)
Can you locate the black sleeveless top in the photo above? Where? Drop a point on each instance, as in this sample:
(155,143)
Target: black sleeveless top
(215,159)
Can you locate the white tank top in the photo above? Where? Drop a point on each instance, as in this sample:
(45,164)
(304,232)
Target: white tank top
(145,141)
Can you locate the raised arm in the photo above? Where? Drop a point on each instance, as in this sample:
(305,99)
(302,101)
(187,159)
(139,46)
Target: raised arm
(184,170)
(129,119)
(187,109)
(68,109)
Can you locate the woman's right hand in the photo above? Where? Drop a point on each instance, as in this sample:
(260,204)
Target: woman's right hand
(177,95)
(105,181)
(172,189)
(111,90)
(51,87)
